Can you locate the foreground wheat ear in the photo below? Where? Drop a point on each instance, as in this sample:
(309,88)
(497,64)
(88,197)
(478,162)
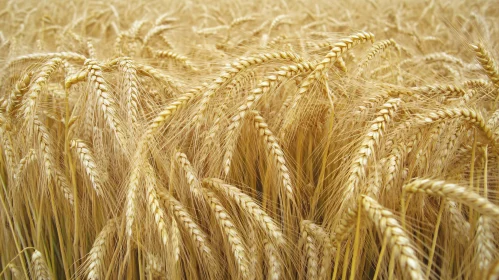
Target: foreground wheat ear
(249,140)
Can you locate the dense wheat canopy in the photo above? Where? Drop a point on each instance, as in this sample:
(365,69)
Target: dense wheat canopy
(249,140)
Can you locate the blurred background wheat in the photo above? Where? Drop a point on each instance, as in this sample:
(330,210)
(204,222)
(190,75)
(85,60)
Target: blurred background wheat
(249,140)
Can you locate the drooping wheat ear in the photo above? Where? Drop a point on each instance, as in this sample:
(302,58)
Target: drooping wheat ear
(214,130)
(71,56)
(23,165)
(63,183)
(16,274)
(39,269)
(235,68)
(320,235)
(311,252)
(175,240)
(98,253)
(166,41)
(263,87)
(190,175)
(132,32)
(105,100)
(488,63)
(336,51)
(440,90)
(460,227)
(375,49)
(276,40)
(88,163)
(20,88)
(274,263)
(91,49)
(155,31)
(476,83)
(7,147)
(131,198)
(131,88)
(154,206)
(401,246)
(181,59)
(41,79)
(346,224)
(165,19)
(80,76)
(275,22)
(274,149)
(198,236)
(368,146)
(232,234)
(154,266)
(45,146)
(443,57)
(240,21)
(454,192)
(167,112)
(392,165)
(485,242)
(255,212)
(143,69)
(469,115)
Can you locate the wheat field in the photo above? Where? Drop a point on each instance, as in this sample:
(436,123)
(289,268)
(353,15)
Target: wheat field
(249,140)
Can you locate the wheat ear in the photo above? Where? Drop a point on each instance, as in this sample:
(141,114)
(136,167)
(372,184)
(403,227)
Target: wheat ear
(41,79)
(20,88)
(311,251)
(460,227)
(39,269)
(336,51)
(263,87)
(367,147)
(454,192)
(249,206)
(88,162)
(154,206)
(105,100)
(23,165)
(400,244)
(99,251)
(320,234)
(182,59)
(488,63)
(274,149)
(273,262)
(375,49)
(131,85)
(198,236)
(232,234)
(235,68)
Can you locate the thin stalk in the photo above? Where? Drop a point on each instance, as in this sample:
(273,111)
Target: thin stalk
(380,258)
(355,246)
(14,235)
(435,237)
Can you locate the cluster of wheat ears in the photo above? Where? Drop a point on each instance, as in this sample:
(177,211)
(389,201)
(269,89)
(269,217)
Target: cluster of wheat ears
(262,140)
